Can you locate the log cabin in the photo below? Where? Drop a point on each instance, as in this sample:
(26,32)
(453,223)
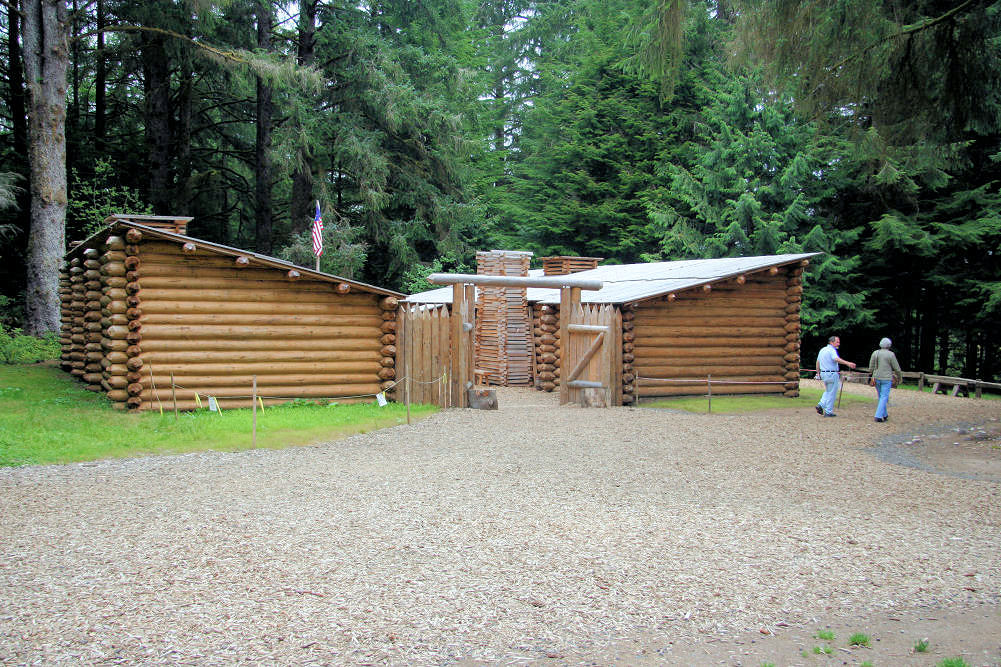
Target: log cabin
(735,320)
(152,318)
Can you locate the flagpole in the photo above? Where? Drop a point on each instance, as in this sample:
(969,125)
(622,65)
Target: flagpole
(320,251)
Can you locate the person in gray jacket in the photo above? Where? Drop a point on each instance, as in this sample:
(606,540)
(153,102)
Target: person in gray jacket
(886,373)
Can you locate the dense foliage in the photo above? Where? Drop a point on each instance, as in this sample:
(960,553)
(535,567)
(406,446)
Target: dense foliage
(867,131)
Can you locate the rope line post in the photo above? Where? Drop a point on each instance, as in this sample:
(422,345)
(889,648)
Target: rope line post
(709,386)
(253,436)
(406,394)
(173,394)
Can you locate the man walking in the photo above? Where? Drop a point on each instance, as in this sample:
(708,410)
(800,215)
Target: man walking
(828,372)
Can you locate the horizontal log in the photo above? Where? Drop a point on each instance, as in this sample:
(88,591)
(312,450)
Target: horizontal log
(717,370)
(249,295)
(304,347)
(274,391)
(259,320)
(700,390)
(265,383)
(681,315)
(654,333)
(303,366)
(644,327)
(734,353)
(332,307)
(292,333)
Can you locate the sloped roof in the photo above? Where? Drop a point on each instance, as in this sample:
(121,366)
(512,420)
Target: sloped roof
(256,258)
(627,283)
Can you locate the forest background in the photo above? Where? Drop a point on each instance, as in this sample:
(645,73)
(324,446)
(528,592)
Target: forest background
(625,129)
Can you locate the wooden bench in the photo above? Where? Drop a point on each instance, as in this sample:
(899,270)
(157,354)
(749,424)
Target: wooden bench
(954,386)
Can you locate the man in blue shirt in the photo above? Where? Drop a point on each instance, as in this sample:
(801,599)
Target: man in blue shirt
(828,372)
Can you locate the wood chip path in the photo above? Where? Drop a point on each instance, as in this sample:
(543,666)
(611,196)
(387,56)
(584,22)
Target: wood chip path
(525,534)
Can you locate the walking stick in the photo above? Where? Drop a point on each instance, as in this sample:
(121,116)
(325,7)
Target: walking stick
(841,388)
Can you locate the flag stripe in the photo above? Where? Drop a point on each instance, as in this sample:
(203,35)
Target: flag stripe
(317,232)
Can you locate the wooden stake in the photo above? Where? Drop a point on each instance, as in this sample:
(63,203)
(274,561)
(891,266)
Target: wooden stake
(173,394)
(709,384)
(406,393)
(253,437)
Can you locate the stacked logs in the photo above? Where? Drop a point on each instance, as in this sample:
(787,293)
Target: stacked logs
(92,374)
(546,330)
(78,309)
(794,298)
(732,330)
(115,322)
(387,374)
(628,346)
(67,315)
(211,322)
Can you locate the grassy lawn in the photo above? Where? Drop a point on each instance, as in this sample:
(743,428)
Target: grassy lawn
(741,403)
(47,417)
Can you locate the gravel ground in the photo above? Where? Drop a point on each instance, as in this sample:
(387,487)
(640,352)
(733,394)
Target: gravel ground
(529,533)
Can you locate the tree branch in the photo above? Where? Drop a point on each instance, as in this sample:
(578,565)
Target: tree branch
(231,56)
(903,32)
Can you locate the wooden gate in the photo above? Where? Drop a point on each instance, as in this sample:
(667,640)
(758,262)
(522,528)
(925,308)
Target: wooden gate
(429,368)
(591,355)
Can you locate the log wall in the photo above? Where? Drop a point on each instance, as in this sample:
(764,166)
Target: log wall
(545,335)
(215,323)
(744,329)
(136,311)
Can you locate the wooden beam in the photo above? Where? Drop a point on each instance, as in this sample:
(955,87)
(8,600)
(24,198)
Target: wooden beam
(591,351)
(551,282)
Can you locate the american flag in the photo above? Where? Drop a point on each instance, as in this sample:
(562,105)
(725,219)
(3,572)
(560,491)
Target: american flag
(317,232)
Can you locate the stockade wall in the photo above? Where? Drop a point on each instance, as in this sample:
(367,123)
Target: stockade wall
(422,358)
(215,321)
(744,329)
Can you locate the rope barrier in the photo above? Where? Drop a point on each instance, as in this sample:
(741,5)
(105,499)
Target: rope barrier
(317,398)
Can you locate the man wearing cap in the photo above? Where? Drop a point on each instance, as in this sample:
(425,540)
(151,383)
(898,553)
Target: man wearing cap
(827,370)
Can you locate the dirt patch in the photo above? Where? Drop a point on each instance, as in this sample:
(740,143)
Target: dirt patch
(971,634)
(966,451)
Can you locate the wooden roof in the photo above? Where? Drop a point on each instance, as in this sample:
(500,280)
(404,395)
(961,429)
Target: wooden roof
(123,222)
(629,283)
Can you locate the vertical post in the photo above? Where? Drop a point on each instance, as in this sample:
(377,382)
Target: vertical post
(458,343)
(709,395)
(406,394)
(566,311)
(253,437)
(469,340)
(173,394)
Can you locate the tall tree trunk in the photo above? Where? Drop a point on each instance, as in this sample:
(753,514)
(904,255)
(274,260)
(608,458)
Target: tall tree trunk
(46,61)
(157,88)
(302,177)
(100,83)
(182,136)
(265,109)
(18,110)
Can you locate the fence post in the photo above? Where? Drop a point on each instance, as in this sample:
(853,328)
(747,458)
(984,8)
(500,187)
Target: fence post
(406,393)
(253,437)
(709,386)
(173,394)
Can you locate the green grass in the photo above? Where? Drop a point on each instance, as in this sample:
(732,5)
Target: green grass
(859,639)
(807,399)
(47,417)
(953,662)
(826,635)
(921,646)
(823,650)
